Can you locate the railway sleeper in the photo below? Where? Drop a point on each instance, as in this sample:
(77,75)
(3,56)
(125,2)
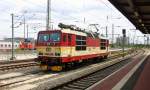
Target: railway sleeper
(96,76)
(17,66)
(76,86)
(26,65)
(89,80)
(10,67)
(14,66)
(80,82)
(82,85)
(68,88)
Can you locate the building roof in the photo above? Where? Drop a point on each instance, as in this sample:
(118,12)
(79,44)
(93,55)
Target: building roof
(137,11)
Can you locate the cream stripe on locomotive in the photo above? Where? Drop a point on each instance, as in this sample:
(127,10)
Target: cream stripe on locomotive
(68,51)
(73,32)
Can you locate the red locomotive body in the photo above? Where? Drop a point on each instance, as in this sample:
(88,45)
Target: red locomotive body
(58,48)
(27,44)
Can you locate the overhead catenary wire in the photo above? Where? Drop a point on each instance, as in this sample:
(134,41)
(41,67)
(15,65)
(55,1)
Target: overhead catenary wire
(108,6)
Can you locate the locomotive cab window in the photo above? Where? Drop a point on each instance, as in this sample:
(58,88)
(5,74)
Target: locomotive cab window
(43,37)
(52,37)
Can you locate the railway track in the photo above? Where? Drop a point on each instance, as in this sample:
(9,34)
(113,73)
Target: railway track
(3,62)
(84,82)
(16,65)
(23,79)
(11,82)
(9,65)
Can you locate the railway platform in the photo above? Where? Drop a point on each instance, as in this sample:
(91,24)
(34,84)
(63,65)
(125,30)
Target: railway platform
(6,57)
(133,76)
(143,80)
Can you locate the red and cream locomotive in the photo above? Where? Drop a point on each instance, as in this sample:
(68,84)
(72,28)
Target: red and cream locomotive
(59,48)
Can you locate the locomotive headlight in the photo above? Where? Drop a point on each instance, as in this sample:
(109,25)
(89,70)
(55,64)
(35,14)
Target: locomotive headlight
(40,53)
(57,51)
(48,49)
(57,54)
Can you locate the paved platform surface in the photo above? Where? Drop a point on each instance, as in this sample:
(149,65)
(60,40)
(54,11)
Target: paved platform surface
(17,56)
(111,81)
(143,82)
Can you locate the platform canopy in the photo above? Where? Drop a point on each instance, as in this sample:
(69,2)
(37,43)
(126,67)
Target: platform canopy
(137,11)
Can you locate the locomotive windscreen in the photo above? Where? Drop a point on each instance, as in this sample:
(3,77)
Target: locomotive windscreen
(51,37)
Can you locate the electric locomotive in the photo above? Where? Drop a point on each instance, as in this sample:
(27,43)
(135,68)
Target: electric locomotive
(58,49)
(27,45)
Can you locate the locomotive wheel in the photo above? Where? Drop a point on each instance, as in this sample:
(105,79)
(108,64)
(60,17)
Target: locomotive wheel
(105,57)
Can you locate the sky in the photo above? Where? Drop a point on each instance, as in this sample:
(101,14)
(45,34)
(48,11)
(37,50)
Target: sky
(72,12)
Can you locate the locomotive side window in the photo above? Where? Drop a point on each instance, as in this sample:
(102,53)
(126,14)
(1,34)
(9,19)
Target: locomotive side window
(80,43)
(103,44)
(69,38)
(64,38)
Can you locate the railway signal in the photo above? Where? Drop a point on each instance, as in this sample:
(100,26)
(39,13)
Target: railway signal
(123,41)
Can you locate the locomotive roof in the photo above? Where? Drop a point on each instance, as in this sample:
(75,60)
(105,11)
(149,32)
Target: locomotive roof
(77,32)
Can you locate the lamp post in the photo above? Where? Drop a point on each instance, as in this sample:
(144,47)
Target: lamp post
(12,50)
(24,26)
(12,26)
(48,21)
(147,41)
(105,28)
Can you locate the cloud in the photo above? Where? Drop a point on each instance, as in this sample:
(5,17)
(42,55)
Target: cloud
(65,11)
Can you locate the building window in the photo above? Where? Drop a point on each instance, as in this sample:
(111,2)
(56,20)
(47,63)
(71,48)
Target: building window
(1,45)
(5,45)
(80,43)
(9,45)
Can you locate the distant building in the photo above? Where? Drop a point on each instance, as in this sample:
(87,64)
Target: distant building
(16,39)
(7,45)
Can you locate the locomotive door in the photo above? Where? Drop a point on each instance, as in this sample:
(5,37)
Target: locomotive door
(69,39)
(70,44)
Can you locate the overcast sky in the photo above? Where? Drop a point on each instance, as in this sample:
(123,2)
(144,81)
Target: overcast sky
(65,11)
